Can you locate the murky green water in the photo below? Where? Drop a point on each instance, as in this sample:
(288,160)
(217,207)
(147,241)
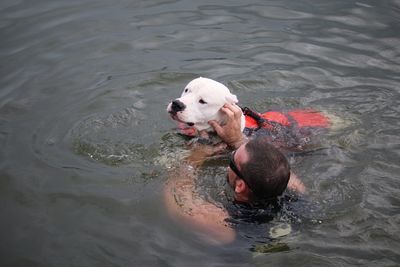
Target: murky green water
(86,142)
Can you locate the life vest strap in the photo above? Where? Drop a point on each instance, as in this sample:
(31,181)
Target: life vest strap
(260,121)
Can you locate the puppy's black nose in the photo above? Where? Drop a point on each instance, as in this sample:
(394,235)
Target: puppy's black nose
(177,106)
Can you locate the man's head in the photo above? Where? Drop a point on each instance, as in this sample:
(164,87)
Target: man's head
(262,171)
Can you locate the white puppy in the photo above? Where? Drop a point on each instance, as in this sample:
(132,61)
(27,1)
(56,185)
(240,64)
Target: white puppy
(200,102)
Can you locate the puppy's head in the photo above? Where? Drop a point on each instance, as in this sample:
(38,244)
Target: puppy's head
(200,102)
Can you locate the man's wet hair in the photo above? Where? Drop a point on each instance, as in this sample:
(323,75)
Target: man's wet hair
(267,170)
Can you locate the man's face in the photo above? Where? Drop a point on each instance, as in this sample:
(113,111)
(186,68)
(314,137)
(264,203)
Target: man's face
(239,157)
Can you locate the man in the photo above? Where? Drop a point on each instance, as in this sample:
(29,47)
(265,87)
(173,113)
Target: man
(257,172)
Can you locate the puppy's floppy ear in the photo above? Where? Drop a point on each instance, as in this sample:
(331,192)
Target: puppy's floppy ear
(231,99)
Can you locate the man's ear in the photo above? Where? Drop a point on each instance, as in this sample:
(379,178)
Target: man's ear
(231,99)
(240,186)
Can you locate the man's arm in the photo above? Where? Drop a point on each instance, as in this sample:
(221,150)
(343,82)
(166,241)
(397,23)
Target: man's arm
(187,207)
(195,213)
(296,184)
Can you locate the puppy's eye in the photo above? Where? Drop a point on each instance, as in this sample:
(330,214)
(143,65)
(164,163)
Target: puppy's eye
(201,101)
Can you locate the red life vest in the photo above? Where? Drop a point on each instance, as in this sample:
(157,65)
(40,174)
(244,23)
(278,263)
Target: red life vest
(299,118)
(294,130)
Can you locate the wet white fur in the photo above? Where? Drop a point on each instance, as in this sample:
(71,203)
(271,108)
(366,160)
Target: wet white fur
(203,99)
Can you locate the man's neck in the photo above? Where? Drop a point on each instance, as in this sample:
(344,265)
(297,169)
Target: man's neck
(241,198)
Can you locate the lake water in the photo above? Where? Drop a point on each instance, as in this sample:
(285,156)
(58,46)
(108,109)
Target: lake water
(86,144)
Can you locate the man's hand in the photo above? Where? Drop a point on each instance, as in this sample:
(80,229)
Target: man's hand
(199,153)
(231,132)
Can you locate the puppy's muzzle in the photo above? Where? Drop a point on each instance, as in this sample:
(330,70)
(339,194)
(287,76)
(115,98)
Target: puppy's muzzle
(177,106)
